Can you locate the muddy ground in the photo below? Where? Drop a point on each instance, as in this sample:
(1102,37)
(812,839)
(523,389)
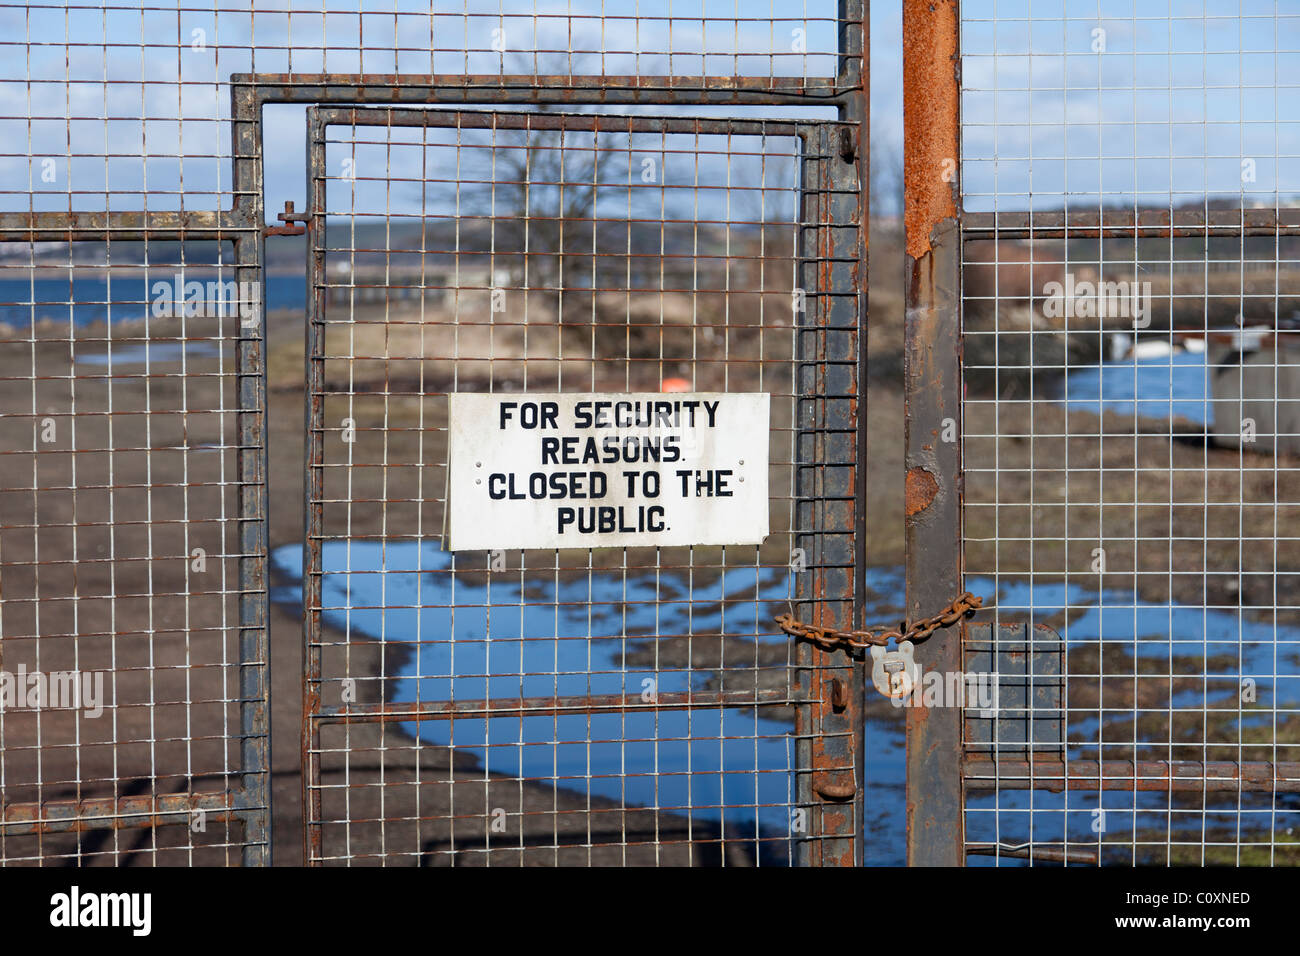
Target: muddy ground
(86,563)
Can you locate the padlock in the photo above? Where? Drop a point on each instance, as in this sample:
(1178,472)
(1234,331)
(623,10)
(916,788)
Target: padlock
(894,673)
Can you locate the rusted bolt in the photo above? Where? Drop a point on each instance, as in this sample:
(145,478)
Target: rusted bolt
(836,792)
(839,699)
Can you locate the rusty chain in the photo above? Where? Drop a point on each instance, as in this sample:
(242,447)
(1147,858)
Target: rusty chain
(828,638)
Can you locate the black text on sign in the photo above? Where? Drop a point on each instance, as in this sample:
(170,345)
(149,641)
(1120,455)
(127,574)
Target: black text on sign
(607,470)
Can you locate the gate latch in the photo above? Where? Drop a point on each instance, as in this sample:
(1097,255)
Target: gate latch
(289,217)
(877,638)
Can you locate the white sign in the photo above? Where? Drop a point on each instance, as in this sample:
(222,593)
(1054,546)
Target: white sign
(607,470)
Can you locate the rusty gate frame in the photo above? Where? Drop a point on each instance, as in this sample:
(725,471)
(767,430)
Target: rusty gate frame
(938,764)
(249,802)
(829,686)
(932,393)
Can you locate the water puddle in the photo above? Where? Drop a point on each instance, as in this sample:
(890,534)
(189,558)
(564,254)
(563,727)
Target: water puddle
(119,355)
(734,758)
(1167,386)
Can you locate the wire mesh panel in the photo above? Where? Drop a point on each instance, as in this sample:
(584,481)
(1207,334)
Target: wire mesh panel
(138,157)
(1131,275)
(124,555)
(606,706)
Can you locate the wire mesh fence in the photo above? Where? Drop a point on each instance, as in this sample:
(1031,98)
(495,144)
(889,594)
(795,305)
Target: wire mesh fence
(137,533)
(1127,183)
(121,547)
(1130,290)
(1101,222)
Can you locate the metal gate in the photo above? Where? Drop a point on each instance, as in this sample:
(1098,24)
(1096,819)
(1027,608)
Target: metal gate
(1101,434)
(1111,469)
(630,706)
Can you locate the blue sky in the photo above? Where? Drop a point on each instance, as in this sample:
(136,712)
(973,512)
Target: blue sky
(1158,103)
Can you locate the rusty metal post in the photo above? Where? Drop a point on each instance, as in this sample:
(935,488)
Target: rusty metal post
(932,372)
(855,74)
(250,367)
(829,724)
(831,417)
(313,486)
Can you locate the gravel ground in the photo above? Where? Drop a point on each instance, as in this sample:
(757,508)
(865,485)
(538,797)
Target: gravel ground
(1181,520)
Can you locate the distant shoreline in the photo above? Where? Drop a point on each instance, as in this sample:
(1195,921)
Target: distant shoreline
(18,271)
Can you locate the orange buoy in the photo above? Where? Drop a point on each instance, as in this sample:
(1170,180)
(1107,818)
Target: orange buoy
(675,385)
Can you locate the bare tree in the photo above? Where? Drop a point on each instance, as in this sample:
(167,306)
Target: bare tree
(538,197)
(544,198)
